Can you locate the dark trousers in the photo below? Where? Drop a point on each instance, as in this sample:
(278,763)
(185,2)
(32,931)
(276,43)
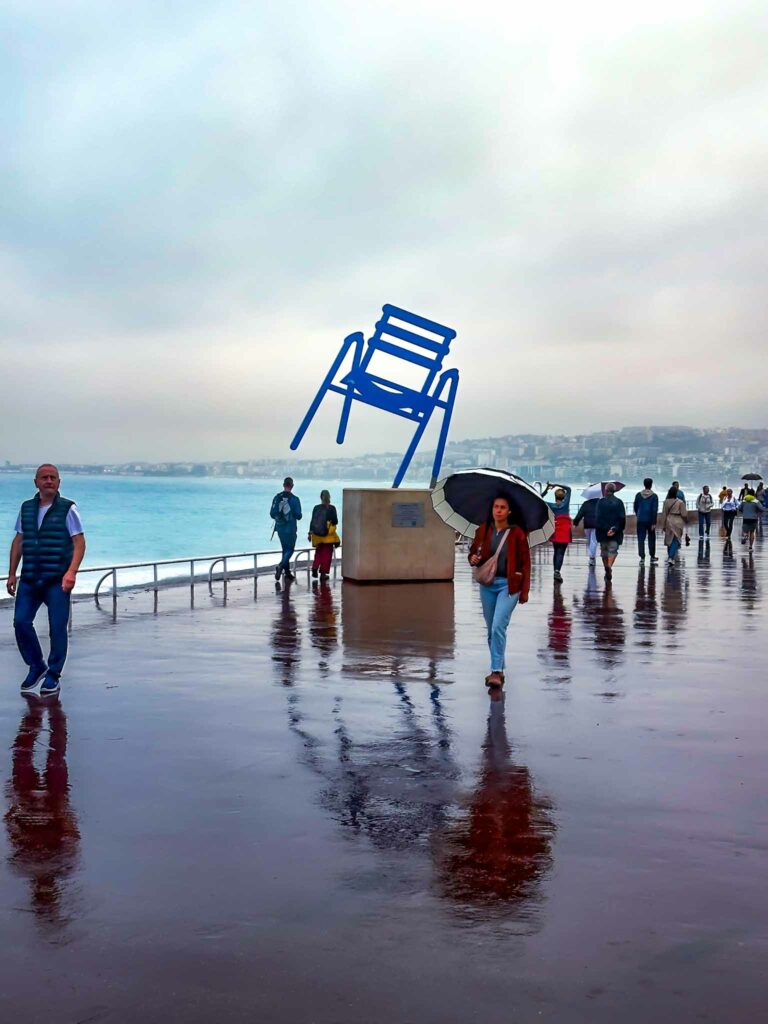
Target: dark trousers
(646,530)
(29,598)
(559,555)
(705,520)
(728,518)
(288,544)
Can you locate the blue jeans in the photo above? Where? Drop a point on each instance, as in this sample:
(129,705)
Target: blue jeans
(705,519)
(646,530)
(29,598)
(288,544)
(674,547)
(498,605)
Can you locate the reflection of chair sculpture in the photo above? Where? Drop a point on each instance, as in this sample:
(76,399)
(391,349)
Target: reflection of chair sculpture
(399,340)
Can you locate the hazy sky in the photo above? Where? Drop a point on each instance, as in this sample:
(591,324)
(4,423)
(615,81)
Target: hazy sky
(200,199)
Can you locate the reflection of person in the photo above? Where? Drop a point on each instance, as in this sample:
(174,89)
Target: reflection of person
(563,534)
(610,522)
(646,508)
(286,638)
(322,534)
(41,825)
(646,612)
(286,511)
(499,852)
(673,520)
(559,627)
(322,622)
(511,583)
(50,545)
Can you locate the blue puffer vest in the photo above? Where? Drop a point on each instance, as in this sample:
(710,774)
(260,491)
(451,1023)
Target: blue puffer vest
(45,553)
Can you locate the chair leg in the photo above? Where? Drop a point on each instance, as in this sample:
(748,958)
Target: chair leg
(412,447)
(322,391)
(453,377)
(348,398)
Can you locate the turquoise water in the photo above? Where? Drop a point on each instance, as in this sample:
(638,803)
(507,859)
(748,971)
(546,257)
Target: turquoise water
(140,519)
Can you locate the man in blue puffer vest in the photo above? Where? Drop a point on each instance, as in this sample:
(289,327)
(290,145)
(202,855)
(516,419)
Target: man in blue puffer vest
(50,545)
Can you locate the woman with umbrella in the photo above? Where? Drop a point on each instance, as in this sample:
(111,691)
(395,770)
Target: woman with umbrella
(512,517)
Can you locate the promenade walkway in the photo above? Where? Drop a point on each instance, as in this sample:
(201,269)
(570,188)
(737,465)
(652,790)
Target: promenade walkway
(304,807)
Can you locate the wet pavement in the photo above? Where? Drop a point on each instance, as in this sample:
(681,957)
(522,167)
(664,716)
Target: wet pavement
(305,807)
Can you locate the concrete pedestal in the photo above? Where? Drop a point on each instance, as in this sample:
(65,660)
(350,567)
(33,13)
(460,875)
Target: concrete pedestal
(394,534)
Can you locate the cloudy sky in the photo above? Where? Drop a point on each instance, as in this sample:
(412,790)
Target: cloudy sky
(200,199)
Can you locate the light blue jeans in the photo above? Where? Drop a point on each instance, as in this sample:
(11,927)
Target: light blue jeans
(498,605)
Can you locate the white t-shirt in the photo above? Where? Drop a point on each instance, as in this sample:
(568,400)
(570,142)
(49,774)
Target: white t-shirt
(74,523)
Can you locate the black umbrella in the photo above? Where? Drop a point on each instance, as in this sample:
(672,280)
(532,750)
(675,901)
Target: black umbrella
(463,501)
(751,476)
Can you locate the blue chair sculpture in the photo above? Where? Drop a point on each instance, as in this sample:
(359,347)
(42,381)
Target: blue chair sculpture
(414,340)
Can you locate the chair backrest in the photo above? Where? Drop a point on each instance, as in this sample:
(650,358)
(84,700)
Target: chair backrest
(411,338)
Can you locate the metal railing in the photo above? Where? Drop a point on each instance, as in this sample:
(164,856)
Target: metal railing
(190,578)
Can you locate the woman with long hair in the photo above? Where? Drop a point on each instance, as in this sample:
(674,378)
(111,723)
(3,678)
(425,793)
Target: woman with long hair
(673,520)
(500,538)
(322,535)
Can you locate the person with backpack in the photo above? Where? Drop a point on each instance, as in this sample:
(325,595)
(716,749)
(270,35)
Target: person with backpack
(286,512)
(322,535)
(646,508)
(704,504)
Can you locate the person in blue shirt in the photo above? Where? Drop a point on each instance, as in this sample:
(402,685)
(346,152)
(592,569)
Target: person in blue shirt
(286,512)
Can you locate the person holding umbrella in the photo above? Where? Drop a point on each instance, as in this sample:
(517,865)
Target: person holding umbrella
(610,522)
(503,544)
(563,535)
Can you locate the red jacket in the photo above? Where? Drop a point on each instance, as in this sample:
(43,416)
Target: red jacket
(518,557)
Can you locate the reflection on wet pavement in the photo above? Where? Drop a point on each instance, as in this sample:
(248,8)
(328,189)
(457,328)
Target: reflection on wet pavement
(307,806)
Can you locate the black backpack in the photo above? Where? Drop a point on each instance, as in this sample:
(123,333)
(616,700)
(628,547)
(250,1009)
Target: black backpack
(319,524)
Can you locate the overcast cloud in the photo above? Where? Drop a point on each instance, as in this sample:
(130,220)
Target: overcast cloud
(199,200)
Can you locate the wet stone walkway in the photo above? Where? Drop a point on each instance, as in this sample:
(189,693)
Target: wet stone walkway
(305,808)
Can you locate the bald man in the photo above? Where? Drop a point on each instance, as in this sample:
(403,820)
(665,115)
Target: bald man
(50,544)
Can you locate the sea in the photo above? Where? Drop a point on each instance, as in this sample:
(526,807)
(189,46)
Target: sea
(129,519)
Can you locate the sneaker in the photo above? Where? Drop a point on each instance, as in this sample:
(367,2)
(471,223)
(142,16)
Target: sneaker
(289,575)
(34,677)
(743,540)
(642,559)
(670,561)
(654,558)
(314,574)
(278,570)
(558,577)
(593,561)
(50,687)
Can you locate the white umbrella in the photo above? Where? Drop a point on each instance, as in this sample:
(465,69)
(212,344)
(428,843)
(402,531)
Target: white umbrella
(598,490)
(463,501)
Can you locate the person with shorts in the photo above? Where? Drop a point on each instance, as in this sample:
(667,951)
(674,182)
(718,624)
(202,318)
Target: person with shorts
(750,509)
(610,522)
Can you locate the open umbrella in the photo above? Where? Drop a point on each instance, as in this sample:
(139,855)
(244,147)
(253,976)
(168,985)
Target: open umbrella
(598,490)
(751,476)
(463,499)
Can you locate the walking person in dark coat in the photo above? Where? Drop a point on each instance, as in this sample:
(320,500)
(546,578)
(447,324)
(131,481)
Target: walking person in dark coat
(609,529)
(588,515)
(646,511)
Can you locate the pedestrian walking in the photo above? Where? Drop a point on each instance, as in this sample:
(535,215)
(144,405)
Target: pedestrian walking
(501,547)
(323,536)
(588,515)
(673,519)
(730,506)
(286,512)
(750,509)
(563,534)
(646,506)
(704,504)
(50,544)
(611,520)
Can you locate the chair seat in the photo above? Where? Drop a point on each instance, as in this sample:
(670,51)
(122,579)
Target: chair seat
(389,396)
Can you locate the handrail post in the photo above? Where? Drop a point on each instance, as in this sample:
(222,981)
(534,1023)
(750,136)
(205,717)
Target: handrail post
(226,578)
(191,583)
(114,595)
(154,568)
(255,572)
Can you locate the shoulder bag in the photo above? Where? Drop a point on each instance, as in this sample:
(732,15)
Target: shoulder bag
(485,574)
